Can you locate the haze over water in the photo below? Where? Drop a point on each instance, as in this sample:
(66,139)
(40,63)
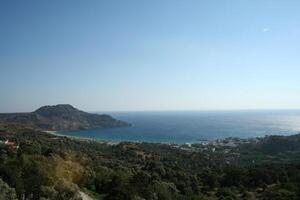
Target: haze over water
(192,126)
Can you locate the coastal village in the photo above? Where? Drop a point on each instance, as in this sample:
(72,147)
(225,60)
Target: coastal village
(226,149)
(225,144)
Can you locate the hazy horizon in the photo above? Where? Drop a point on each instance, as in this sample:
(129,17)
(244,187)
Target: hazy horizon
(150,55)
(170,110)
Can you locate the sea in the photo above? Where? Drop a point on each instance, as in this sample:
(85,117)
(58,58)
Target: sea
(181,127)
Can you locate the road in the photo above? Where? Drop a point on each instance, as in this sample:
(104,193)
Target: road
(85,196)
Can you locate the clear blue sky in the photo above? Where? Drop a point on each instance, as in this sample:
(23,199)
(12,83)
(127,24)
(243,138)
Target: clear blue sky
(150,55)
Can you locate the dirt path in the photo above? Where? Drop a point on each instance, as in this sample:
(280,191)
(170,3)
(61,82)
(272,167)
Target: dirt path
(85,196)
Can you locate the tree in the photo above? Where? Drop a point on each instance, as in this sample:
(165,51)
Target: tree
(6,192)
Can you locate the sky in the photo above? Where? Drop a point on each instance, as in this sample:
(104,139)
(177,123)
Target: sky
(138,55)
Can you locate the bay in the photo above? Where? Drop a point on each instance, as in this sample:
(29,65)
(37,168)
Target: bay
(191,126)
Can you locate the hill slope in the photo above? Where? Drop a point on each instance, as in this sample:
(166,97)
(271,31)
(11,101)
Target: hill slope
(38,165)
(62,117)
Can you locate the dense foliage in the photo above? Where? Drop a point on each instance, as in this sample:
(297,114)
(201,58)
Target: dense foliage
(46,166)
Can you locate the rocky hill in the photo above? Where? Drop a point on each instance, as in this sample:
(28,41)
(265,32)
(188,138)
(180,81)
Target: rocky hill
(62,117)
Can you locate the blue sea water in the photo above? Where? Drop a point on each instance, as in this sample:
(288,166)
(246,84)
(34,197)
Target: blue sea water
(190,127)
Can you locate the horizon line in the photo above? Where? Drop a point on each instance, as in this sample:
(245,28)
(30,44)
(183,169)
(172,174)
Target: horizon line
(198,110)
(174,110)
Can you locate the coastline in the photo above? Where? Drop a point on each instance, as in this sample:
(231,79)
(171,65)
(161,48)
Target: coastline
(220,142)
(56,133)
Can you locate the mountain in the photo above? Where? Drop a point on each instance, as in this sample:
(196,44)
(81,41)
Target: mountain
(62,117)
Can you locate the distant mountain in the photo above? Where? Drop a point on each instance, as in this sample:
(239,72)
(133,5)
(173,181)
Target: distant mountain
(62,117)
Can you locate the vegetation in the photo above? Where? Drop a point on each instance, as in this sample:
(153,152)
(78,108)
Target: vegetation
(38,165)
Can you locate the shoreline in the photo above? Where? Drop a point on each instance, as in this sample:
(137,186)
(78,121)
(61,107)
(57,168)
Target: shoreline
(55,133)
(229,141)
